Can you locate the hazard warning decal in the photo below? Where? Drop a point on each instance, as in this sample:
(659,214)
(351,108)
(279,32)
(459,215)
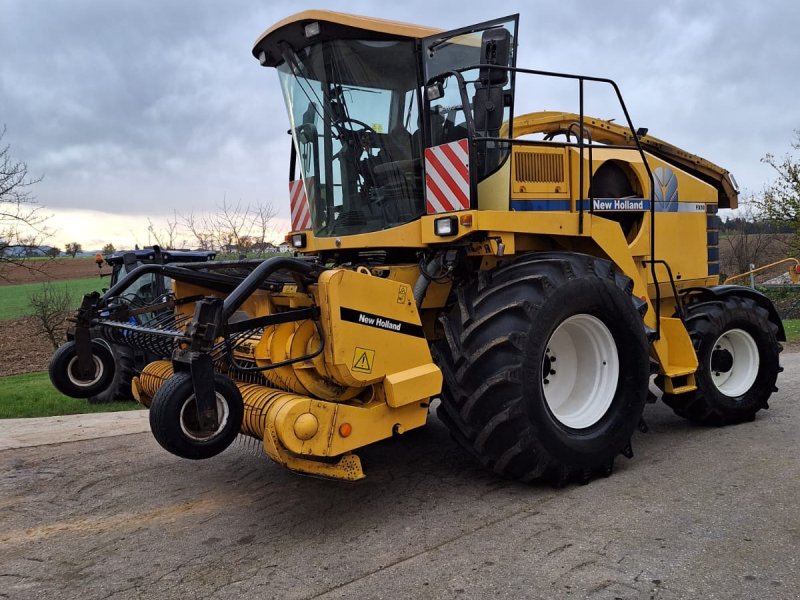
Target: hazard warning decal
(447,177)
(363,359)
(301,216)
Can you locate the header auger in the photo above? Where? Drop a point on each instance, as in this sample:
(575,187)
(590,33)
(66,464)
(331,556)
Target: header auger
(530,271)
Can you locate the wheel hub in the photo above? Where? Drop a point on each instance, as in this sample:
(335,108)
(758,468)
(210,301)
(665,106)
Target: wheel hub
(734,362)
(80,379)
(721,360)
(579,391)
(190,424)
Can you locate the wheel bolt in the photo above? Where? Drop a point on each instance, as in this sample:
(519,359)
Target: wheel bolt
(552,372)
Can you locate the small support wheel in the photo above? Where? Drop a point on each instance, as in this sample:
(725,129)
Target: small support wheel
(65,373)
(175,424)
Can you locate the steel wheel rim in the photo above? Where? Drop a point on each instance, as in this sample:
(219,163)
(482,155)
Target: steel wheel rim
(99,369)
(190,426)
(580,371)
(742,374)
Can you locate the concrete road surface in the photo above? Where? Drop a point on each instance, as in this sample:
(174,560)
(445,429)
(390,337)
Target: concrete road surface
(698,513)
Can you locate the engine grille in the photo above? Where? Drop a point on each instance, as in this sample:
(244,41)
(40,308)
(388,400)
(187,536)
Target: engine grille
(539,167)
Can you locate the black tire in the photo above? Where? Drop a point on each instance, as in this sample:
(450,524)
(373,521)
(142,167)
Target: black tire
(124,370)
(492,356)
(173,418)
(64,375)
(716,402)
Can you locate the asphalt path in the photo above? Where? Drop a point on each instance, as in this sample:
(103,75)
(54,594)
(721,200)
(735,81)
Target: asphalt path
(697,513)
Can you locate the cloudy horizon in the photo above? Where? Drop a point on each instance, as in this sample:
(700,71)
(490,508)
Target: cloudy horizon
(133,110)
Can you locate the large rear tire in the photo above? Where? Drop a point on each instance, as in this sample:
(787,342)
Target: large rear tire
(546,367)
(737,354)
(174,422)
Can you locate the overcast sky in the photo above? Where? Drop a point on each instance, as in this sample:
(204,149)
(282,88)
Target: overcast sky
(136,108)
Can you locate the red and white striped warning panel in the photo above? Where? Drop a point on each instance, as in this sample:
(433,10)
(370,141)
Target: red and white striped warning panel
(301,216)
(447,177)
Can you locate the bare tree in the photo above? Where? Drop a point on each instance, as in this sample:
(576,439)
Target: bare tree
(73,248)
(109,248)
(167,237)
(234,227)
(22,226)
(51,306)
(198,229)
(263,227)
(233,223)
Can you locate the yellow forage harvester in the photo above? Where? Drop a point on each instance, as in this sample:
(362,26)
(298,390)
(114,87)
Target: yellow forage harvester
(526,271)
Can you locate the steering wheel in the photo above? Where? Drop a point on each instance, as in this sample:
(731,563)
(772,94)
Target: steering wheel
(357,135)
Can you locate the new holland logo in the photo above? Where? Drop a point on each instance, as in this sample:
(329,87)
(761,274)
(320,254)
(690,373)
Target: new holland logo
(619,204)
(666,188)
(379,322)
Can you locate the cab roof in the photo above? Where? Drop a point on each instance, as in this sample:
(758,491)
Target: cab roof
(333,25)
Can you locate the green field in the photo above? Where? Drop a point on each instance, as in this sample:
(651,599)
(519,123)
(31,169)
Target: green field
(792,327)
(32,395)
(14,299)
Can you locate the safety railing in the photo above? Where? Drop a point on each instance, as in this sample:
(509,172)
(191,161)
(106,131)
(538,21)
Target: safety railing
(793,272)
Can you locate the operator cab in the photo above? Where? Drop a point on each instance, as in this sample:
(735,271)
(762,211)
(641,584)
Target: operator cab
(360,118)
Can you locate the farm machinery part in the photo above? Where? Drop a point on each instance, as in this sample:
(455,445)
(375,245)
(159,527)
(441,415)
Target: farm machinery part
(128,360)
(532,271)
(288,364)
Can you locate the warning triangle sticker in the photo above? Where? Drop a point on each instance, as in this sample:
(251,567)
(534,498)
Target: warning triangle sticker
(363,359)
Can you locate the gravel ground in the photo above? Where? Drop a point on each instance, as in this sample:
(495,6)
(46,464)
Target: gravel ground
(698,513)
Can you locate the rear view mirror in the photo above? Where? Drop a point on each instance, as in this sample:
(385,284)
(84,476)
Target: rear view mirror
(495,50)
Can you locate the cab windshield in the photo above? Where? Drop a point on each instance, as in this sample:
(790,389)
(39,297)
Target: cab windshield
(354,112)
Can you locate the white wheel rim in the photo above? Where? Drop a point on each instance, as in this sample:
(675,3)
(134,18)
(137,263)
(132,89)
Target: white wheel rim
(741,375)
(197,434)
(83,383)
(580,371)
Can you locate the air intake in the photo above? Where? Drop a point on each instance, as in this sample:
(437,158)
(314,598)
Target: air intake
(538,167)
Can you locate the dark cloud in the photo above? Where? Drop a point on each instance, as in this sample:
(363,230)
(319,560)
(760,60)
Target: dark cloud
(139,107)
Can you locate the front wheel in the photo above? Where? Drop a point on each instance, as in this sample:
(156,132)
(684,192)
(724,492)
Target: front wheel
(546,366)
(67,378)
(737,354)
(175,424)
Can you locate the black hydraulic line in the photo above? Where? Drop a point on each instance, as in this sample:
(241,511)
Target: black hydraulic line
(258,276)
(298,314)
(215,281)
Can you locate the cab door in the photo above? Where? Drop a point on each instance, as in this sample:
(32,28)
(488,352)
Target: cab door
(467,109)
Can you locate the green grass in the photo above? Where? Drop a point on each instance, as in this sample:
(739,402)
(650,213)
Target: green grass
(15,299)
(32,395)
(792,327)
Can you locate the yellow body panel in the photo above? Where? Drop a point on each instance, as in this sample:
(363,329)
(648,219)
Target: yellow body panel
(383,26)
(373,327)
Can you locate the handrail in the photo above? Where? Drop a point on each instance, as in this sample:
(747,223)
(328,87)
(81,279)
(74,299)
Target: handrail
(792,274)
(581,79)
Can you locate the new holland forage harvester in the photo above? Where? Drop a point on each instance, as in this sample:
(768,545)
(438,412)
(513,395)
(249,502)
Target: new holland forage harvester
(533,283)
